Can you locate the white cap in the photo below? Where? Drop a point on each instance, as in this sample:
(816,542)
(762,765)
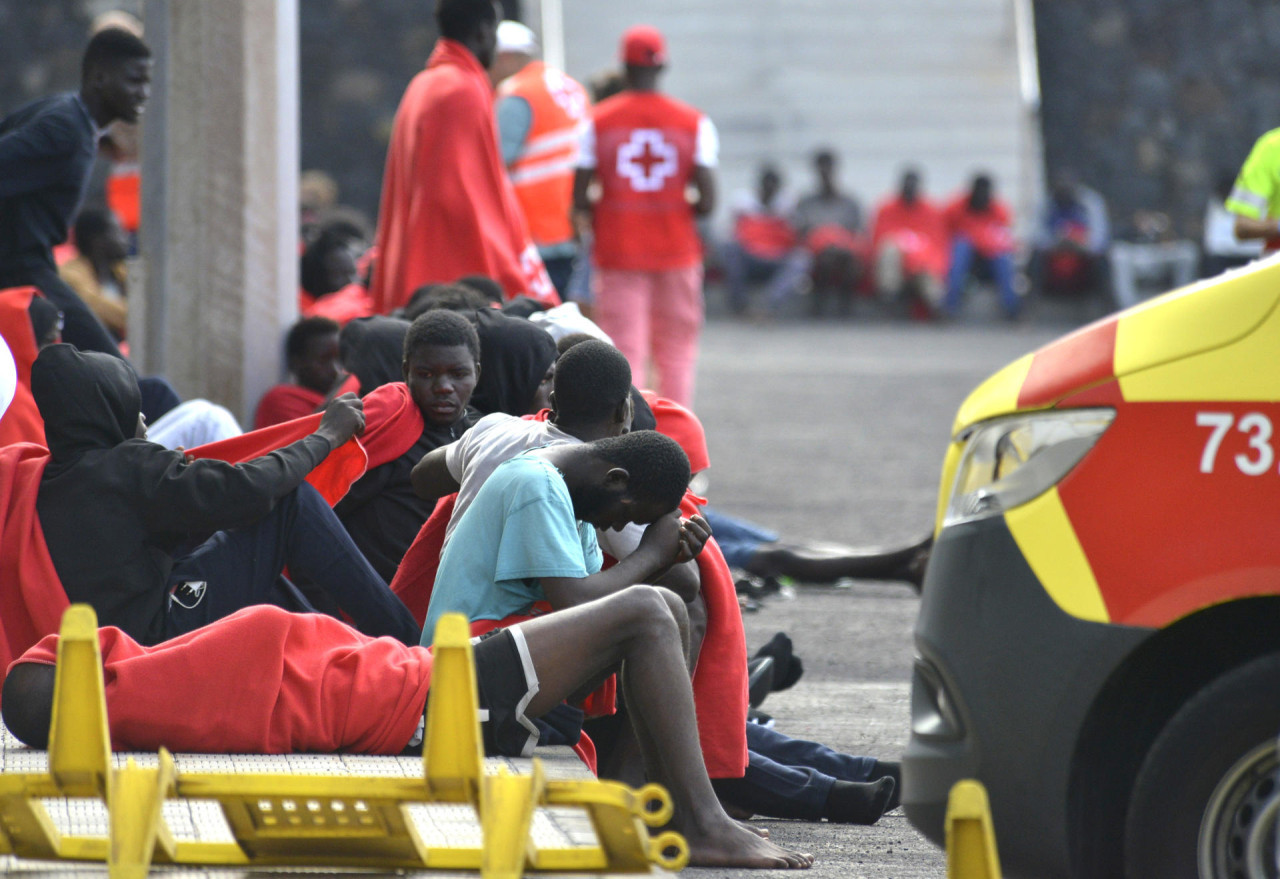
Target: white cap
(515,37)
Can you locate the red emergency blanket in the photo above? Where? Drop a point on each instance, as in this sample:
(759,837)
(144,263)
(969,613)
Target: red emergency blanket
(31,596)
(448,208)
(262,681)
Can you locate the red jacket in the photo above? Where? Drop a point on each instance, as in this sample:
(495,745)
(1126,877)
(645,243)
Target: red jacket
(988,231)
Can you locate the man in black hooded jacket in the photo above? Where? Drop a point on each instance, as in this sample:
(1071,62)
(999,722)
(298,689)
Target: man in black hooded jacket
(160,545)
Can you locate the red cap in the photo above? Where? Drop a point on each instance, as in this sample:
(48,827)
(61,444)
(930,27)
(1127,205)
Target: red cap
(643,46)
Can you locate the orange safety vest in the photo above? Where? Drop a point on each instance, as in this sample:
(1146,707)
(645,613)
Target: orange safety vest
(542,173)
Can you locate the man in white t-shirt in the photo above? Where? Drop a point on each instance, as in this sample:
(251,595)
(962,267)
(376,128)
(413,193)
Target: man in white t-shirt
(591,400)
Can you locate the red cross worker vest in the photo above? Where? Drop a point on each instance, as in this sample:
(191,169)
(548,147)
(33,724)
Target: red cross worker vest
(542,173)
(644,161)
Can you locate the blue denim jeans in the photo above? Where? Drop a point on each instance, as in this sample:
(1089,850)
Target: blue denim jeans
(737,538)
(789,778)
(963,255)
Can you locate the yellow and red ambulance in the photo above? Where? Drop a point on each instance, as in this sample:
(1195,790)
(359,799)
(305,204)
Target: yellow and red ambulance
(1099,636)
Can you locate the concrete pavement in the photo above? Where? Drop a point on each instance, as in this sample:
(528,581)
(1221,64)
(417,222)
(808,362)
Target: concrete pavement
(836,431)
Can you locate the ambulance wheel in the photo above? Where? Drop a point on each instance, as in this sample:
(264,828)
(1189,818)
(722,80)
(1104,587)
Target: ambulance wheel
(1206,800)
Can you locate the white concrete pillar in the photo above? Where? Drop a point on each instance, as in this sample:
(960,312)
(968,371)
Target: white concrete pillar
(220,197)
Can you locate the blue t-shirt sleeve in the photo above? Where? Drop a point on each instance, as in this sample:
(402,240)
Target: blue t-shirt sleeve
(515,118)
(540,539)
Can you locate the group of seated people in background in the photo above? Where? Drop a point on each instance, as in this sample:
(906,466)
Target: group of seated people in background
(917,257)
(914,254)
(463,455)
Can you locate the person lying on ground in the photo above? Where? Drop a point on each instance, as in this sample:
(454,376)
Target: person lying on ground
(159,544)
(759,551)
(274,682)
(794,778)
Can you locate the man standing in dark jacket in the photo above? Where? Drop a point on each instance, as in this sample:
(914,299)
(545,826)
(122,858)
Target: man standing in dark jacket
(160,545)
(47,150)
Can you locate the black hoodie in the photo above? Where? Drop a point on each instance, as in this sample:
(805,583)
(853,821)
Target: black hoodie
(372,349)
(514,358)
(114,508)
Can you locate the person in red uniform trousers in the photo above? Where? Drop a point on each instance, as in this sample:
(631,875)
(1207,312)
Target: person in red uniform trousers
(448,209)
(540,110)
(647,150)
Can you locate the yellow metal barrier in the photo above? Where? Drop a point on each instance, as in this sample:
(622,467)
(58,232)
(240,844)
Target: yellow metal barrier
(322,820)
(971,839)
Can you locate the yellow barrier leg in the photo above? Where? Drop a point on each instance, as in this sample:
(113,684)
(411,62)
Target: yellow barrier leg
(135,817)
(452,753)
(971,839)
(509,801)
(79,744)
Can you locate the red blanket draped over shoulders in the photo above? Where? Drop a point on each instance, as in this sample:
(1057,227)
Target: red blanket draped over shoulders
(21,422)
(343,306)
(448,208)
(392,424)
(720,677)
(31,596)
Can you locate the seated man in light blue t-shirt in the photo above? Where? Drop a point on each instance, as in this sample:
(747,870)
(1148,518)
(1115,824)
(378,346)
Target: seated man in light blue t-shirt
(528,535)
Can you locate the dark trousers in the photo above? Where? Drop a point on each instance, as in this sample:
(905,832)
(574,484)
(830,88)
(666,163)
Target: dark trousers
(789,778)
(238,568)
(82,327)
(559,268)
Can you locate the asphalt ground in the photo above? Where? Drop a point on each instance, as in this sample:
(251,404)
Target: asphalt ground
(835,430)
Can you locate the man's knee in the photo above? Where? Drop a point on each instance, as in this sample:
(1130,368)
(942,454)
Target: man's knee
(648,607)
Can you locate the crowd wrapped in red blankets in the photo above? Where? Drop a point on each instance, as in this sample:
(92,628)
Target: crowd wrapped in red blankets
(393,423)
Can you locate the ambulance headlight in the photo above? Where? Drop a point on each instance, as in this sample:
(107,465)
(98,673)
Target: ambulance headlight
(1009,461)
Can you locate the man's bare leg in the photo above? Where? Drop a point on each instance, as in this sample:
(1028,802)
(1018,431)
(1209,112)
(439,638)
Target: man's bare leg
(826,563)
(624,762)
(641,627)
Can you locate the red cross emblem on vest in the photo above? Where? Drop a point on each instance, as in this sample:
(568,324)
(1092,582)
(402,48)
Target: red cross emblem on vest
(647,160)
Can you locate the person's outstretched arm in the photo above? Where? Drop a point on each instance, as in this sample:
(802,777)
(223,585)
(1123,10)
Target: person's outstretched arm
(205,495)
(431,478)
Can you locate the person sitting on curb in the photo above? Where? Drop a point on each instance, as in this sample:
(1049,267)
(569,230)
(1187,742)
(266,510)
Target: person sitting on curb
(160,544)
(439,370)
